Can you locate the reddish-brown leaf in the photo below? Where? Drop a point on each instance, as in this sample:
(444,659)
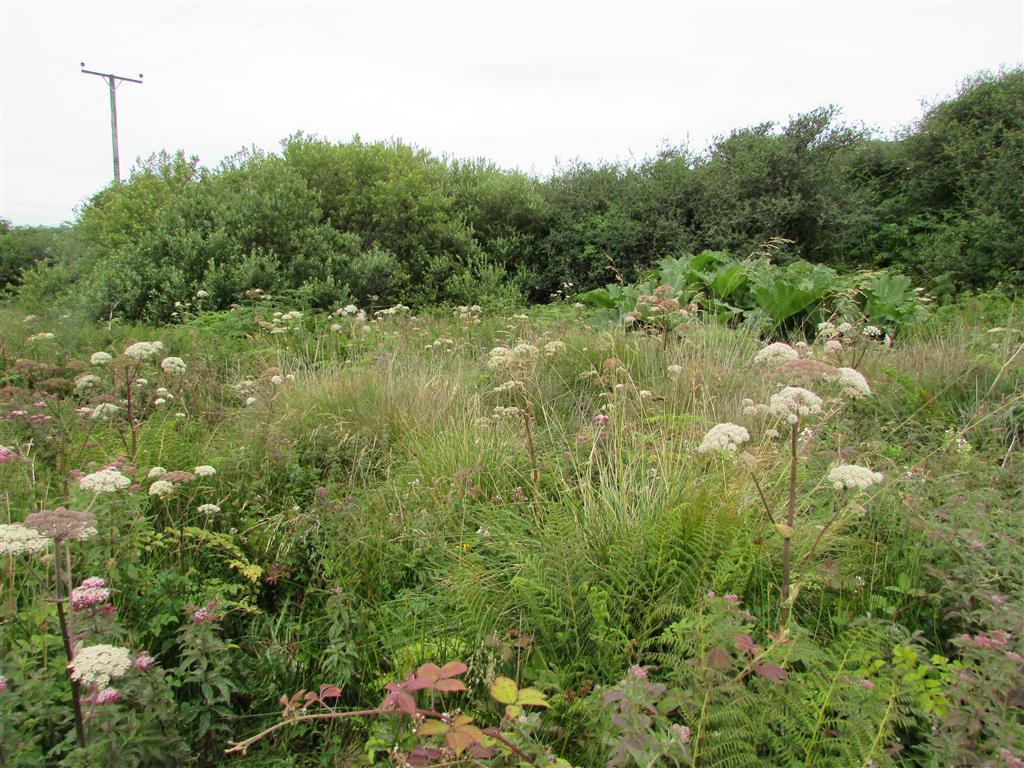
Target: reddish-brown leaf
(719,659)
(772,672)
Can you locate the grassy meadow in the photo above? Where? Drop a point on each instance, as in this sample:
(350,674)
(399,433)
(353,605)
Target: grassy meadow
(510,540)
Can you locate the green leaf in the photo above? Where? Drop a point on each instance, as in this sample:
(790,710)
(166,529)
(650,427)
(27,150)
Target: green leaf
(504,690)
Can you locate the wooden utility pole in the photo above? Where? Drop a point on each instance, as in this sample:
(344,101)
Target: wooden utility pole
(112,82)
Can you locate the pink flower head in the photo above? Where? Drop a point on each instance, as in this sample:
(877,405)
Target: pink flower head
(732,599)
(1000,599)
(1015,657)
(637,671)
(107,696)
(3,683)
(682,732)
(6,454)
(206,614)
(1009,759)
(866,684)
(601,420)
(92,592)
(144,662)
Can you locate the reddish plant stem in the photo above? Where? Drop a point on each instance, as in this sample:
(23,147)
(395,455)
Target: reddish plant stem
(66,637)
(790,517)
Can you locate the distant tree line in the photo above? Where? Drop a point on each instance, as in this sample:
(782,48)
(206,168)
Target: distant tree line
(327,222)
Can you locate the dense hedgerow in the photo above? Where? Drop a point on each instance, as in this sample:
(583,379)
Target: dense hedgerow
(325,222)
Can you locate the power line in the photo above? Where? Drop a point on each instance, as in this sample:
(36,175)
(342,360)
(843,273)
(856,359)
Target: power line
(148,29)
(238,34)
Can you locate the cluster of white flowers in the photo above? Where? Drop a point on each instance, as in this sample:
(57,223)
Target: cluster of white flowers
(724,437)
(173,365)
(469,314)
(776,353)
(790,403)
(518,356)
(872,331)
(512,385)
(510,411)
(85,382)
(104,411)
(156,472)
(140,383)
(833,345)
(144,350)
(204,470)
(45,336)
(104,481)
(852,382)
(162,489)
(554,348)
(443,343)
(96,665)
(287,317)
(673,371)
(16,539)
(100,358)
(398,309)
(350,311)
(847,476)
(209,509)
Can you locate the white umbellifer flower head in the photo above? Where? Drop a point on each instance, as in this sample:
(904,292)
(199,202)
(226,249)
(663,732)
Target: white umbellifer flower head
(276,379)
(104,481)
(724,437)
(104,411)
(156,472)
(201,294)
(826,330)
(337,327)
(162,489)
(843,328)
(204,470)
(776,353)
(140,383)
(100,358)
(209,509)
(45,336)
(250,400)
(17,539)
(160,401)
(174,365)
(853,382)
(500,357)
(833,345)
(85,382)
(847,476)
(872,332)
(143,350)
(674,371)
(96,665)
(525,352)
(554,348)
(791,403)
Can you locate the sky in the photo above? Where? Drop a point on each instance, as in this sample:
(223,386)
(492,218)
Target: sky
(528,85)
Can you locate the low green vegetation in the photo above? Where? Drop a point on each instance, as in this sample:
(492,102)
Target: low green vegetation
(754,524)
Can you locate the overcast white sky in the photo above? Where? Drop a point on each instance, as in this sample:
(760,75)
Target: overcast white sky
(525,84)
